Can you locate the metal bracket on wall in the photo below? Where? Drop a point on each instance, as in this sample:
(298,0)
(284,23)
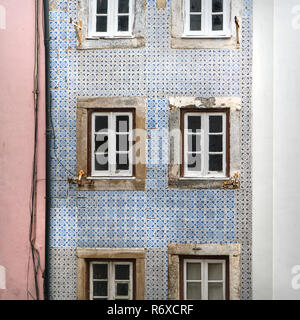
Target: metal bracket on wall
(232,183)
(81,180)
(237,27)
(78,30)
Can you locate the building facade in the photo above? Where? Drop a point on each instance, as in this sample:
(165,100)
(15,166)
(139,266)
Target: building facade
(164,218)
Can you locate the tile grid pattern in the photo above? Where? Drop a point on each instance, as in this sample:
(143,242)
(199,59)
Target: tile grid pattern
(154,218)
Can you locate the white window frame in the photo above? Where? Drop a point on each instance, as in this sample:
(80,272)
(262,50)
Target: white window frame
(204,276)
(112,20)
(204,134)
(111,281)
(206,20)
(111,172)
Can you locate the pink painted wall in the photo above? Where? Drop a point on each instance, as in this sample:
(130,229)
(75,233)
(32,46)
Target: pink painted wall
(16,148)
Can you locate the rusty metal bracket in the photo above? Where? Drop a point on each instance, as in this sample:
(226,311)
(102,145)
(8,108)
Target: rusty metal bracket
(237,27)
(232,183)
(78,30)
(81,180)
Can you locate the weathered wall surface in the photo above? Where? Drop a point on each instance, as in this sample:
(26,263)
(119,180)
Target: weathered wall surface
(153,218)
(16,149)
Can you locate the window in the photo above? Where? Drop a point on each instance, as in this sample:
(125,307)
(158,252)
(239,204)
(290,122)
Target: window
(110,273)
(111,280)
(111,144)
(204,279)
(205,144)
(111,18)
(207,18)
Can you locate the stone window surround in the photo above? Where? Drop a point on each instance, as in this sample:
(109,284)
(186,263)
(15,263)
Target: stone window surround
(138,182)
(180,42)
(176,104)
(233,251)
(84,255)
(136,41)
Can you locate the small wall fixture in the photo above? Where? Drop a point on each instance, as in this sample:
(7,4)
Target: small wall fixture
(232,183)
(81,180)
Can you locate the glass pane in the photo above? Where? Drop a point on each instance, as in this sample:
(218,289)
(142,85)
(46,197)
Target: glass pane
(215,271)
(123,6)
(102,6)
(215,143)
(101,162)
(193,271)
(122,123)
(122,161)
(122,289)
(99,271)
(215,291)
(100,288)
(122,142)
(122,272)
(101,143)
(194,123)
(194,143)
(195,22)
(215,162)
(217,5)
(217,22)
(215,124)
(123,23)
(193,291)
(195,5)
(101,123)
(194,162)
(101,24)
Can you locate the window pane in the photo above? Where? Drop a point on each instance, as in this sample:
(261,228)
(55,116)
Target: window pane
(100,288)
(122,289)
(193,271)
(123,23)
(101,24)
(194,123)
(215,291)
(215,124)
(101,6)
(194,143)
(215,143)
(195,22)
(99,271)
(122,162)
(122,272)
(101,162)
(215,162)
(193,291)
(123,6)
(122,142)
(217,22)
(101,123)
(122,123)
(195,5)
(101,143)
(215,271)
(217,5)
(194,162)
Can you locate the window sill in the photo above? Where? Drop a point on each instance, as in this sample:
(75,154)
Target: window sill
(111,178)
(205,178)
(186,36)
(109,37)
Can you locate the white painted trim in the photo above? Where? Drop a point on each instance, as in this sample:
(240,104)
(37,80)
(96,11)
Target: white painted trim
(206,21)
(2,278)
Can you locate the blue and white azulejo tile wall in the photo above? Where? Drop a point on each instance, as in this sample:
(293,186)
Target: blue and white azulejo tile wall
(153,218)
